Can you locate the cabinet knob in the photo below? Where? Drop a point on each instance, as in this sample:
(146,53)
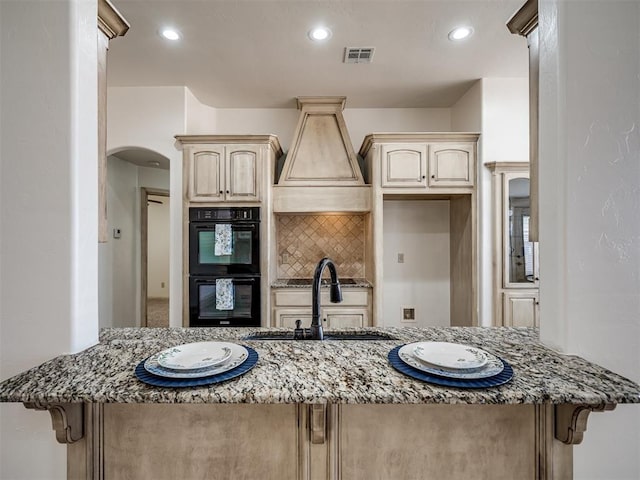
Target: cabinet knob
(433,176)
(424,176)
(227,191)
(221,192)
(537,279)
(324,319)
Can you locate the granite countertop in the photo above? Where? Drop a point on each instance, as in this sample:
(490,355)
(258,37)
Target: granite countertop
(306,283)
(319,372)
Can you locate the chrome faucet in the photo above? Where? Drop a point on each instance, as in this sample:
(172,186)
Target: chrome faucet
(315,332)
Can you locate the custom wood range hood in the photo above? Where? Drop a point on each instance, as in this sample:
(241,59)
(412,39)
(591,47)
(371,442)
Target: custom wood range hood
(321,171)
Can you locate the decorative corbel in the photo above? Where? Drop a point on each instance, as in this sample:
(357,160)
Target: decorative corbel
(571,421)
(67,419)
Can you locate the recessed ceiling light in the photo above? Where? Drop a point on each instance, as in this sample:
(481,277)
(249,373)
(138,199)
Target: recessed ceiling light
(170,34)
(319,34)
(460,33)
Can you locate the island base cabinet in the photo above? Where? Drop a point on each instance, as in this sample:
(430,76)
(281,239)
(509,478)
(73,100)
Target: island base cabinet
(200,442)
(319,442)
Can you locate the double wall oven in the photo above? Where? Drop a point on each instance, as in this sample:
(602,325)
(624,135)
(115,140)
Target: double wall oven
(224,266)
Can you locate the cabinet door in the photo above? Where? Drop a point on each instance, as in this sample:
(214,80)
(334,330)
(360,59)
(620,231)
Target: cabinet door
(242,173)
(451,165)
(340,320)
(520,309)
(286,318)
(404,165)
(206,173)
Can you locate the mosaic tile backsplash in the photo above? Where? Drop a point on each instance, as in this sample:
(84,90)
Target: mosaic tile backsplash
(304,239)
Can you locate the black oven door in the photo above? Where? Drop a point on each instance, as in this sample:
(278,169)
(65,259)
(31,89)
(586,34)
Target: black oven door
(237,306)
(245,250)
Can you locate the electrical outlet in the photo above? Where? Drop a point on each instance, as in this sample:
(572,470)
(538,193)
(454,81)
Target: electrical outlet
(285,258)
(408,314)
(401,258)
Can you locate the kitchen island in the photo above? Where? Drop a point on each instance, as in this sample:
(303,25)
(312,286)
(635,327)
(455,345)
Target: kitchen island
(309,409)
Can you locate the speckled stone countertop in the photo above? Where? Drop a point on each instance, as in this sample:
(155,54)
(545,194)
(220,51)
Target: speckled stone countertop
(319,372)
(306,283)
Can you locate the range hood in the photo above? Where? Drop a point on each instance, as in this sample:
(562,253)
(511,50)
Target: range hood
(321,171)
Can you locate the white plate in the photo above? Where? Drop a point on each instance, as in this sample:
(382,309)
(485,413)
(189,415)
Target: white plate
(239,355)
(195,355)
(493,366)
(451,356)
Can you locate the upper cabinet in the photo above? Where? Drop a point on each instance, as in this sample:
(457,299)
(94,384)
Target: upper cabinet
(220,173)
(217,170)
(206,173)
(423,162)
(451,165)
(404,165)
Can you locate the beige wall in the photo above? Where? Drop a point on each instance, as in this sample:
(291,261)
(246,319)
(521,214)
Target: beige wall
(420,231)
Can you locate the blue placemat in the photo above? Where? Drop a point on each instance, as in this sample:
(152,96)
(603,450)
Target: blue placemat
(499,379)
(158,381)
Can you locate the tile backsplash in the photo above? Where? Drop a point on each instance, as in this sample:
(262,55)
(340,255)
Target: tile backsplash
(304,239)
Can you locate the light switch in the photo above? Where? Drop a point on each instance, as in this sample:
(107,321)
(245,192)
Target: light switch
(401,258)
(117,233)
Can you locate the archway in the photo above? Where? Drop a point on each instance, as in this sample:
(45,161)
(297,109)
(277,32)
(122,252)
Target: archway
(123,274)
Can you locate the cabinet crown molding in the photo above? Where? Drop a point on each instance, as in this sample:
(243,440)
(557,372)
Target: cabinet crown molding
(110,20)
(507,166)
(525,20)
(271,140)
(391,137)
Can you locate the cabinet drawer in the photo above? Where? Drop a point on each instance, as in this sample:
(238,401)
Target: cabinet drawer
(287,319)
(340,320)
(334,317)
(302,298)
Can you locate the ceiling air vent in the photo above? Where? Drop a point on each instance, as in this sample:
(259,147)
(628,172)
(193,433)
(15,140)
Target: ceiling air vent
(358,54)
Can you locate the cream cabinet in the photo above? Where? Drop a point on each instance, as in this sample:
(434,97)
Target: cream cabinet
(404,165)
(416,178)
(219,173)
(227,168)
(515,256)
(320,441)
(291,304)
(425,163)
(520,308)
(451,164)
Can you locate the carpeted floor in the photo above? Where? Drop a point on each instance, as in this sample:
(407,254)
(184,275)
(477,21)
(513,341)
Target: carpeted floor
(157,312)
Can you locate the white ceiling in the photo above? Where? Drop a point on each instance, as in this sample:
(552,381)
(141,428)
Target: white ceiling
(256,53)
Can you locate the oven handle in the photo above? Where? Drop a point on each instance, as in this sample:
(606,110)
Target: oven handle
(251,225)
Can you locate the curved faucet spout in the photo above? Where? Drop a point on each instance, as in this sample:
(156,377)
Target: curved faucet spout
(335,295)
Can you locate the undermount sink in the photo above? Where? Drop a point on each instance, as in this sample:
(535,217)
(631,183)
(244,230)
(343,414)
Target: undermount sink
(355,335)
